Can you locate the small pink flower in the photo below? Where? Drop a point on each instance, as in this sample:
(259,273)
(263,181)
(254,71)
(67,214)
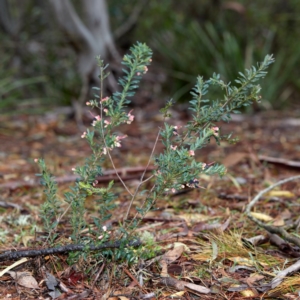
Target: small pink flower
(100,237)
(88,103)
(107,123)
(150,59)
(104,151)
(145,69)
(138,73)
(118,139)
(83,135)
(173,147)
(104,99)
(130,117)
(104,228)
(173,191)
(36,160)
(192,153)
(204,166)
(121,137)
(105,110)
(215,130)
(97,119)
(73,169)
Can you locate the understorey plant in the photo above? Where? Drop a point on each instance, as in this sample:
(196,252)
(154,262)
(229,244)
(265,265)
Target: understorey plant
(176,167)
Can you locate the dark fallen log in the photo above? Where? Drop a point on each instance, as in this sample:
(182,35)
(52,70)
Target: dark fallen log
(11,255)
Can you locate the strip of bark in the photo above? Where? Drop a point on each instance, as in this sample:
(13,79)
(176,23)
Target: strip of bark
(11,255)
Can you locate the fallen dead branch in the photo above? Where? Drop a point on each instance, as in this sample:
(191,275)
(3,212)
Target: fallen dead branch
(272,229)
(10,255)
(280,161)
(282,274)
(283,246)
(124,173)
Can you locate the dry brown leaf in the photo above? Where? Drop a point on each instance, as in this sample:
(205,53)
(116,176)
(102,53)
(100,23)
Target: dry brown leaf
(278,221)
(245,261)
(285,194)
(178,294)
(197,288)
(254,277)
(24,279)
(179,244)
(164,268)
(286,214)
(248,293)
(193,218)
(242,261)
(27,238)
(234,158)
(225,225)
(181,285)
(261,216)
(173,254)
(17,263)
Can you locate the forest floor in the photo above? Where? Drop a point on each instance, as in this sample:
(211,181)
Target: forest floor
(207,247)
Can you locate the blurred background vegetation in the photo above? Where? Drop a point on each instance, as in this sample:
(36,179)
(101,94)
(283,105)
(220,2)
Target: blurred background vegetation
(189,38)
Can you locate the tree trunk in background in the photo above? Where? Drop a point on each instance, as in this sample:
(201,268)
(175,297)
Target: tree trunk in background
(6,22)
(88,41)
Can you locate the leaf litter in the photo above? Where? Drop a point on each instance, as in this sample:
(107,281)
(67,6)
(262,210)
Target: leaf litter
(208,248)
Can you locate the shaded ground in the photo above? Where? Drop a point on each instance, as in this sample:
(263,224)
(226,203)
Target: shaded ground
(209,222)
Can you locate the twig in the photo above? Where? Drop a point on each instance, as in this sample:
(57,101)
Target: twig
(142,177)
(272,229)
(133,279)
(10,255)
(280,161)
(258,196)
(112,162)
(98,274)
(280,276)
(57,223)
(5,204)
(108,175)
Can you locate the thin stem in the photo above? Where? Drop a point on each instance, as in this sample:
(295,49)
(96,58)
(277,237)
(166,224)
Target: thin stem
(103,135)
(142,177)
(136,214)
(58,220)
(114,167)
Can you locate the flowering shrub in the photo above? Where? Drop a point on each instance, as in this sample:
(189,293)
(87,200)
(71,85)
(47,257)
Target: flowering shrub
(176,166)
